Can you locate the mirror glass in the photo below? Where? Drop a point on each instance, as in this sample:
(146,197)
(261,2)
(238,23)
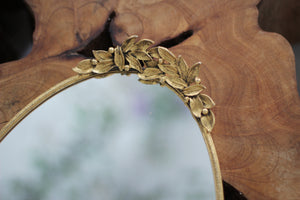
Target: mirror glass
(109,139)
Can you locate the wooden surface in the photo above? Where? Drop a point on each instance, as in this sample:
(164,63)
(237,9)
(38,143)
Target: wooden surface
(250,74)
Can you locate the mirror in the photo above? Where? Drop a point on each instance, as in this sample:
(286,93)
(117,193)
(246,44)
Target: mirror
(153,65)
(111,138)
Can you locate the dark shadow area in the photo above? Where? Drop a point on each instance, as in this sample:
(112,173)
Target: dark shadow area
(296,49)
(230,193)
(283,17)
(102,42)
(16,28)
(177,40)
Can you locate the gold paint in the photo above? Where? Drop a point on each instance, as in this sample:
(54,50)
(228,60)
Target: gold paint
(208,120)
(111,50)
(154,53)
(167,55)
(134,63)
(176,82)
(128,43)
(193,72)
(160,67)
(142,45)
(102,55)
(207,101)
(84,67)
(141,55)
(205,111)
(160,61)
(196,106)
(193,90)
(168,69)
(183,67)
(197,80)
(94,62)
(119,58)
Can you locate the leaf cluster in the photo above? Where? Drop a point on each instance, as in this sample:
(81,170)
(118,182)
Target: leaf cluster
(155,65)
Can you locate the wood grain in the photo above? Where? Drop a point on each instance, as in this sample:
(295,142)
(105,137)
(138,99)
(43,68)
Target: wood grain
(250,74)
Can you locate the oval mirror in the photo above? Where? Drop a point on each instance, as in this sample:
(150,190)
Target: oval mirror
(119,140)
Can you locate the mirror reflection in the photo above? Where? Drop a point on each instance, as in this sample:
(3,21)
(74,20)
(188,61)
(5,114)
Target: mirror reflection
(110,139)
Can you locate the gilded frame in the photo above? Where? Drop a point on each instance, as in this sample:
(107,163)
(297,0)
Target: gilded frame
(155,65)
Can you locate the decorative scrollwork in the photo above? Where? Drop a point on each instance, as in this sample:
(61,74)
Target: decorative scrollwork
(155,65)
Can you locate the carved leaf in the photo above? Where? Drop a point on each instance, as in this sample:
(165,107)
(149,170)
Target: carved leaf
(151,72)
(176,82)
(104,66)
(142,45)
(193,90)
(133,62)
(167,55)
(127,44)
(119,58)
(208,121)
(168,69)
(196,106)
(193,72)
(154,52)
(183,68)
(150,63)
(207,101)
(84,67)
(102,55)
(141,55)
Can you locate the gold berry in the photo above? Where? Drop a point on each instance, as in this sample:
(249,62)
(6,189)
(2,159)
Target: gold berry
(205,111)
(94,62)
(111,50)
(197,80)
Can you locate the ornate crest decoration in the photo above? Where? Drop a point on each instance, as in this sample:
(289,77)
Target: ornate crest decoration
(155,65)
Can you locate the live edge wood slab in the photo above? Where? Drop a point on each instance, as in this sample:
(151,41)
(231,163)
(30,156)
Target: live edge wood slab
(249,73)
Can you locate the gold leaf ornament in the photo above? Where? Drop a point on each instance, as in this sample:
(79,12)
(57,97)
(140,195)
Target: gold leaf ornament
(119,58)
(128,44)
(103,66)
(133,62)
(168,69)
(193,72)
(155,65)
(207,101)
(141,55)
(208,121)
(196,106)
(167,55)
(176,82)
(152,71)
(193,90)
(183,68)
(102,55)
(84,67)
(150,74)
(154,52)
(142,45)
(150,63)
